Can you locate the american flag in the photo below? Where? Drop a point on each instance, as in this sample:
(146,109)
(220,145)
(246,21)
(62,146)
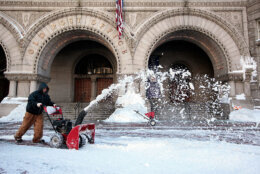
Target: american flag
(119,17)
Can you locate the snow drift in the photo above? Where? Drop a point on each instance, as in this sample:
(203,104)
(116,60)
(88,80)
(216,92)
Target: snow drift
(245,115)
(128,103)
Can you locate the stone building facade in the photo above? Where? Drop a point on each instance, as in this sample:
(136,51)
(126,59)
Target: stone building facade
(47,41)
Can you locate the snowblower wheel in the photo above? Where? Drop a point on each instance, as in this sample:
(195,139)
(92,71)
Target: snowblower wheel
(82,140)
(152,122)
(56,140)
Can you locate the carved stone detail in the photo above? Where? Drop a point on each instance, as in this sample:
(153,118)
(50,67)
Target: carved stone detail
(234,17)
(143,3)
(26,77)
(231,30)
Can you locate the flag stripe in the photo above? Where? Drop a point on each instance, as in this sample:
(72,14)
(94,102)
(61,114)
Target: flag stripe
(119,17)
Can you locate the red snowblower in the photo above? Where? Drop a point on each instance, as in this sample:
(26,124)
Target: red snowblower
(65,134)
(148,116)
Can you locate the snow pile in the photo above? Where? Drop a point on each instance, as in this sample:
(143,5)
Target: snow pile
(245,115)
(128,103)
(12,100)
(241,96)
(15,115)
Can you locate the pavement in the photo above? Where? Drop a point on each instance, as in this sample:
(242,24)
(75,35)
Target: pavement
(226,131)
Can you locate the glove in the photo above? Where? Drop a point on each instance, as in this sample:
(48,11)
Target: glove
(54,105)
(39,105)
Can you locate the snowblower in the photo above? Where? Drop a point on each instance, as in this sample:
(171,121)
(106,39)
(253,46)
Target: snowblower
(65,133)
(148,116)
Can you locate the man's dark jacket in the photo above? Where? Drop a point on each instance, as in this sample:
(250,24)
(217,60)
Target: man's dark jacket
(38,97)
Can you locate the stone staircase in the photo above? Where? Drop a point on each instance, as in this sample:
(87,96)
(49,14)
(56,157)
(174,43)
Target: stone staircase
(100,111)
(256,104)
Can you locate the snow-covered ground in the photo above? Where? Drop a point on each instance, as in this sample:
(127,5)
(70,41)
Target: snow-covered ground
(123,148)
(245,115)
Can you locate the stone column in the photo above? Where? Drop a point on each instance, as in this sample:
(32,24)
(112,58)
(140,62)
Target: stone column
(232,88)
(93,88)
(12,88)
(33,86)
(247,88)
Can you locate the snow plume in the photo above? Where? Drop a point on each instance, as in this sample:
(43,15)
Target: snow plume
(107,92)
(181,85)
(213,92)
(176,86)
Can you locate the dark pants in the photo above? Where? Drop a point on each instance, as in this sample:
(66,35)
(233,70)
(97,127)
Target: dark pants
(29,120)
(154,104)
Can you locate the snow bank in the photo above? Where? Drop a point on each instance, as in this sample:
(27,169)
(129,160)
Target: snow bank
(245,115)
(129,102)
(12,100)
(16,115)
(241,96)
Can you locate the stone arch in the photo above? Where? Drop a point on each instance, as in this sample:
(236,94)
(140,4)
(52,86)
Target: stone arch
(10,36)
(14,27)
(218,56)
(90,22)
(161,24)
(46,19)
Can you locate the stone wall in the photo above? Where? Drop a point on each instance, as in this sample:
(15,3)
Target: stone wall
(33,32)
(254,43)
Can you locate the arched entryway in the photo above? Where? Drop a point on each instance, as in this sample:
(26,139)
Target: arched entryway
(80,71)
(181,55)
(4,83)
(182,51)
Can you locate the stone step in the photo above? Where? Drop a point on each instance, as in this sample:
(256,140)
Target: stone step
(257,107)
(100,111)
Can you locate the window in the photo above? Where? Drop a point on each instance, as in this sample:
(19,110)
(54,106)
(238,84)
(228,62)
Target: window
(93,64)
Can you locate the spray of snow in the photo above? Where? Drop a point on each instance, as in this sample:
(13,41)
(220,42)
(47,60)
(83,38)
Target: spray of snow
(212,90)
(107,92)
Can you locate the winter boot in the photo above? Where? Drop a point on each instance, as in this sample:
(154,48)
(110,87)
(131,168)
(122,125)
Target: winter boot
(18,140)
(40,141)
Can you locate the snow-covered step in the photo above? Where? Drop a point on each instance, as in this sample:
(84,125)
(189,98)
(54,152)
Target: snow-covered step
(257,107)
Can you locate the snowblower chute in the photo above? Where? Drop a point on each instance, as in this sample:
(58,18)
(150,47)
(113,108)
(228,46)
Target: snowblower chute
(75,137)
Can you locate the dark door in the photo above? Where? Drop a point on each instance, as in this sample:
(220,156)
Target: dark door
(82,90)
(103,83)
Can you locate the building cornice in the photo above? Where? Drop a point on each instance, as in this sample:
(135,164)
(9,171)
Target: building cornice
(111,3)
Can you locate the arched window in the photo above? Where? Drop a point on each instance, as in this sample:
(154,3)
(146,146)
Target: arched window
(93,64)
